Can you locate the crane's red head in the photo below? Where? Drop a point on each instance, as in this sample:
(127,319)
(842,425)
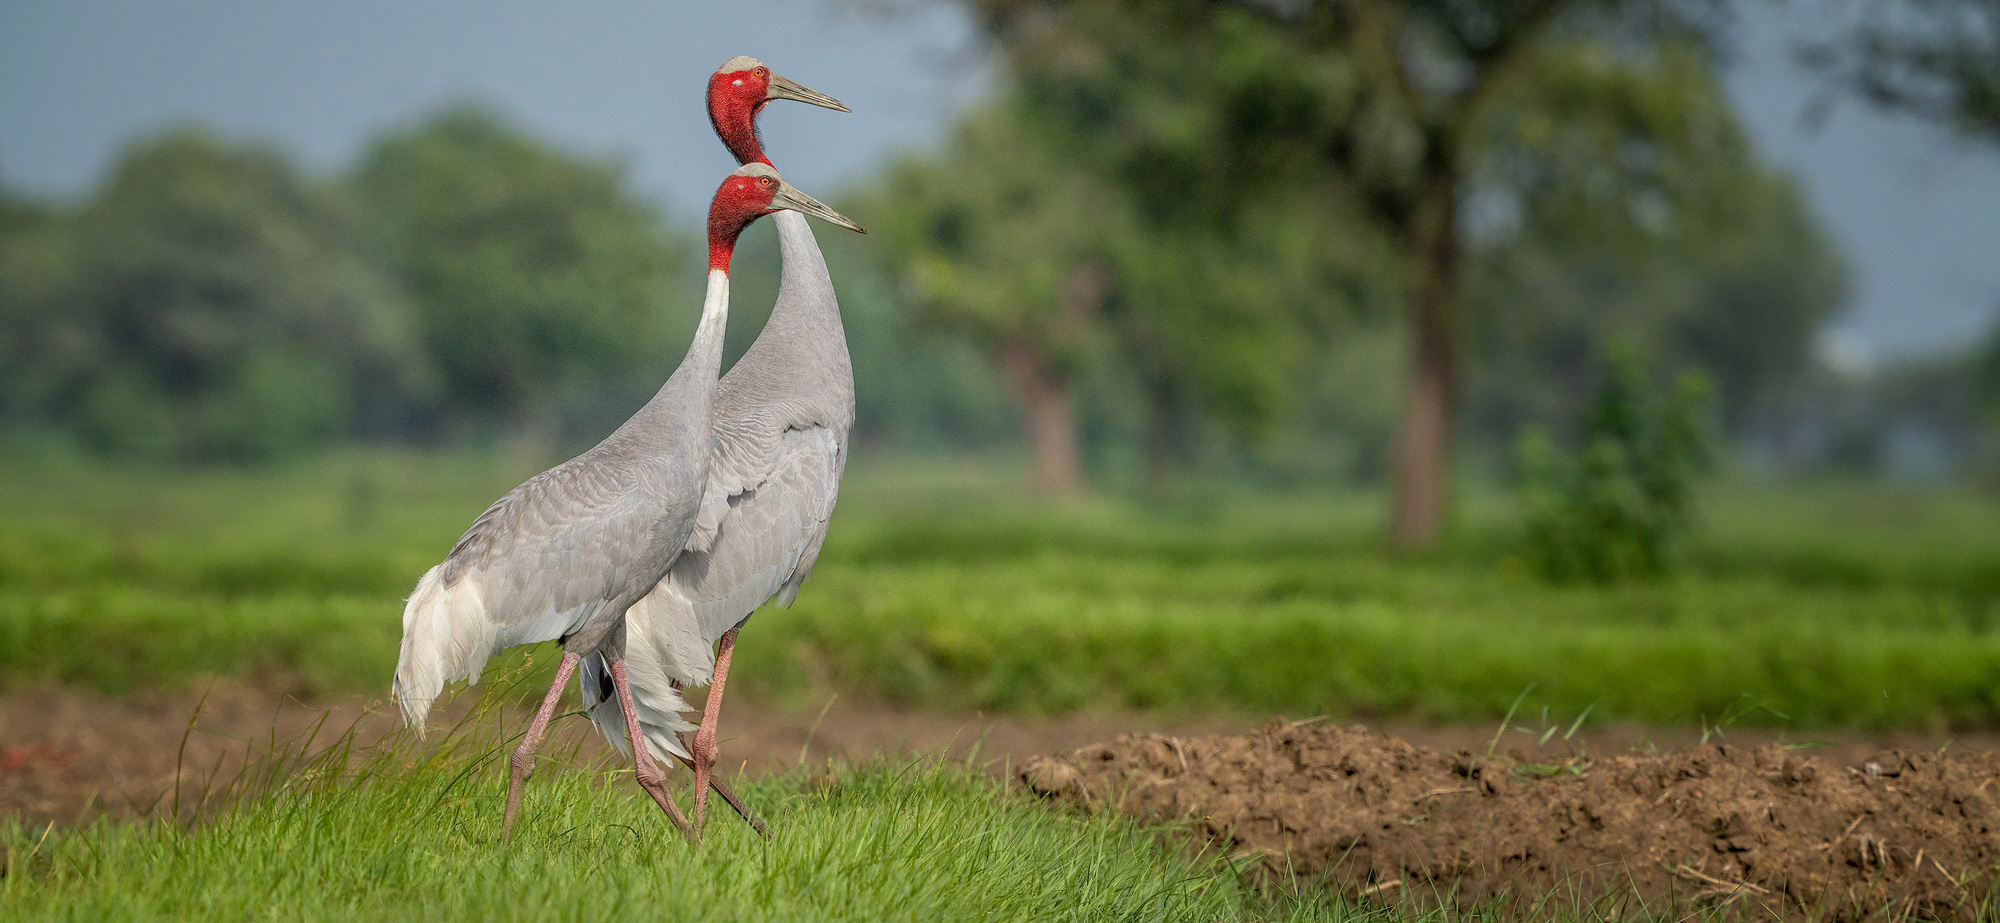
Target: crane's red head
(750,193)
(738,91)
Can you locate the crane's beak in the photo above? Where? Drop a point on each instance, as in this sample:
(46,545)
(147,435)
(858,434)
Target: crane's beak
(789,197)
(781,88)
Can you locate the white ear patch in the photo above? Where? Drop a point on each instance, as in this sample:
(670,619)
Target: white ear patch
(736,83)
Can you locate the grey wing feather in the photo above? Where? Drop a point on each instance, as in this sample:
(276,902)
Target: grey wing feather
(558,546)
(765,545)
(771,534)
(804,567)
(537,565)
(659,704)
(748,450)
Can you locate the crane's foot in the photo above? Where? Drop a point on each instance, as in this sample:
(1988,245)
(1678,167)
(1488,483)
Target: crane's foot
(654,780)
(522,765)
(722,788)
(704,773)
(649,774)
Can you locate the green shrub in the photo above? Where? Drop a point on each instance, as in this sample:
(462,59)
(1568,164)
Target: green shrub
(1621,507)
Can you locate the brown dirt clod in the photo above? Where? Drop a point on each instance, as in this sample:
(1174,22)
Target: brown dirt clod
(1764,828)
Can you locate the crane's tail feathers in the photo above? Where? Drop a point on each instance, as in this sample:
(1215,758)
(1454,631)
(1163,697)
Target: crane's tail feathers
(446,636)
(660,705)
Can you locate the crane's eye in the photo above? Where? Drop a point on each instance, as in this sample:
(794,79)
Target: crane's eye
(763,181)
(759,72)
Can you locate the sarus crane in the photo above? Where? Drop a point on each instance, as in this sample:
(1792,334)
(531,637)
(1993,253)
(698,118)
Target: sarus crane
(782,416)
(566,554)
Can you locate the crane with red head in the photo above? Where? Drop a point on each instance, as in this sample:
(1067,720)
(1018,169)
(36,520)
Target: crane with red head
(567,554)
(782,417)
(737,92)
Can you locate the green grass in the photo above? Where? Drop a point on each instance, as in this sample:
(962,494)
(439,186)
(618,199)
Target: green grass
(1828,604)
(940,587)
(403,837)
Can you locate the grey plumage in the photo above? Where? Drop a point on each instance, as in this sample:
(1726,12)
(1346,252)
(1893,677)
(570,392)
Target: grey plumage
(565,554)
(782,416)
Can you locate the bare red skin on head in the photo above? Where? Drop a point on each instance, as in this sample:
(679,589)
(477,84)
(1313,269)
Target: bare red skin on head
(739,201)
(733,108)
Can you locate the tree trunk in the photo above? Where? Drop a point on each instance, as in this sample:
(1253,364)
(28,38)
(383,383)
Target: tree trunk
(1050,405)
(1424,453)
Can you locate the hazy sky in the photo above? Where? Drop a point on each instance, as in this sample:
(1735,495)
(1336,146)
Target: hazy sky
(1917,213)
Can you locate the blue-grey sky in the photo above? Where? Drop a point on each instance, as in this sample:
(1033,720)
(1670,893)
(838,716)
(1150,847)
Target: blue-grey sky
(1916,212)
(80,78)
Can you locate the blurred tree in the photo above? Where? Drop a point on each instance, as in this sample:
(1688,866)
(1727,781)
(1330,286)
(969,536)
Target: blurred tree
(207,303)
(1040,252)
(1007,242)
(1642,212)
(531,270)
(916,387)
(1207,104)
(1939,59)
(1986,372)
(37,338)
(1222,276)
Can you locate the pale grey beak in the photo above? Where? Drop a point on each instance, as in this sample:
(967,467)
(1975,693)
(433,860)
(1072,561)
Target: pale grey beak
(789,197)
(781,88)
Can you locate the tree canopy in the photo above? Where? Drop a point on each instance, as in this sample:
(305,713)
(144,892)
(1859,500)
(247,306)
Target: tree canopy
(528,268)
(207,302)
(1939,59)
(1264,182)
(210,302)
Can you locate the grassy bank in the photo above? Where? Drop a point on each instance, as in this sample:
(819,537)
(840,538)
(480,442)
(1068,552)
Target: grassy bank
(405,837)
(1829,604)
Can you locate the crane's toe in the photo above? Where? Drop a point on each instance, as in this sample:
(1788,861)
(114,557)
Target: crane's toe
(704,753)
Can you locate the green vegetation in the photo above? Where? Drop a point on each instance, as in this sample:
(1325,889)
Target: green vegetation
(405,836)
(207,302)
(1188,237)
(1266,181)
(940,587)
(531,271)
(1622,506)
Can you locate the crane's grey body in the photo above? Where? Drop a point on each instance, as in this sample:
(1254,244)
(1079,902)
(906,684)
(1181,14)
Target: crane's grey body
(782,416)
(566,554)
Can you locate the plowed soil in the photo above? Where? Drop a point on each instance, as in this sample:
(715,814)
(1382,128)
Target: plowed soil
(1765,829)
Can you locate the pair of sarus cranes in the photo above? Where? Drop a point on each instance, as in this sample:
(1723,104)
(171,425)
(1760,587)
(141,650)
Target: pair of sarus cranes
(646,554)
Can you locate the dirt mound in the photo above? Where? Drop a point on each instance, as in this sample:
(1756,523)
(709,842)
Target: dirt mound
(1760,827)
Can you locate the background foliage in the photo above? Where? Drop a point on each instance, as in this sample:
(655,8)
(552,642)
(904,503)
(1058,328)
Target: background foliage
(1176,242)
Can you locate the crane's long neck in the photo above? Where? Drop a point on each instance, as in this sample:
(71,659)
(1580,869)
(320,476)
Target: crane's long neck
(706,352)
(805,290)
(735,122)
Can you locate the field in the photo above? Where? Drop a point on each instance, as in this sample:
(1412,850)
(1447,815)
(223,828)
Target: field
(1804,608)
(409,836)
(1807,607)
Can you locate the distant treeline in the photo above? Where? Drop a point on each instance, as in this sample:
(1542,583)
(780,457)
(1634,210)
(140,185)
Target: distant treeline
(209,301)
(1163,245)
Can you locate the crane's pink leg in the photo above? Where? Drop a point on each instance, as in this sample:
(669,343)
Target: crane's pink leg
(523,761)
(651,777)
(721,788)
(704,737)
